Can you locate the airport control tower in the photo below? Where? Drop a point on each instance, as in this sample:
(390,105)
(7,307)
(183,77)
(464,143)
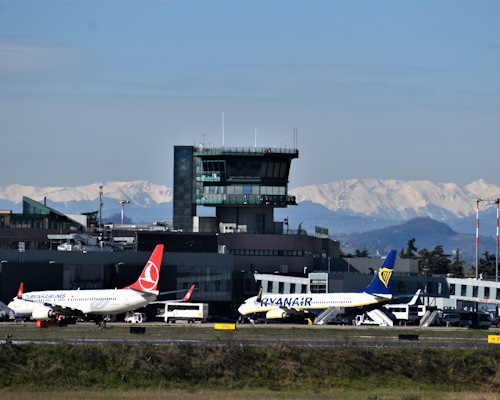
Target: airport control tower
(244,185)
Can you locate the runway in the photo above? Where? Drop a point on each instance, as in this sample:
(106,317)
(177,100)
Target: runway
(248,335)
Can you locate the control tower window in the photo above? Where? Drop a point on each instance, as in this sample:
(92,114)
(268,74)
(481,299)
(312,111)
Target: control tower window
(246,168)
(214,166)
(274,169)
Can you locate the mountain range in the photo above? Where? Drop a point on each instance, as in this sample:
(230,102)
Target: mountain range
(346,208)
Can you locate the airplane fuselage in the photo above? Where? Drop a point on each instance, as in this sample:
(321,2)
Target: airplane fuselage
(95,302)
(314,303)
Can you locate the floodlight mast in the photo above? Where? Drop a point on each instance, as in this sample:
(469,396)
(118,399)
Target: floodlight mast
(101,204)
(123,202)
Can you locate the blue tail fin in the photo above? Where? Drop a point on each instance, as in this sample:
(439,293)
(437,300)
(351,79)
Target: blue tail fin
(381,283)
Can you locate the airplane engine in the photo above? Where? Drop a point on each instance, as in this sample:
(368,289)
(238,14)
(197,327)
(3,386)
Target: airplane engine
(276,313)
(43,313)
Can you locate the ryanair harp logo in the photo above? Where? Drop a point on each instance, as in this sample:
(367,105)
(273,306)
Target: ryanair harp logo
(385,275)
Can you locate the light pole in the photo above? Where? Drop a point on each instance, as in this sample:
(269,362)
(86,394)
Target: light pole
(123,202)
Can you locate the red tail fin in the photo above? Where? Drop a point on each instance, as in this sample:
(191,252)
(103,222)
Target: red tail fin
(148,281)
(20,291)
(188,294)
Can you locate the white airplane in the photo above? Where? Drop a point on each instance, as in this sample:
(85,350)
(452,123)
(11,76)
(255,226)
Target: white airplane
(320,306)
(53,304)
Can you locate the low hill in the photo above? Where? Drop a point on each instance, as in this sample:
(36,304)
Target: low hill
(427,232)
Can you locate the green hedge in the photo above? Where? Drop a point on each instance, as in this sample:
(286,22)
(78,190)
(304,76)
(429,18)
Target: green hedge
(231,366)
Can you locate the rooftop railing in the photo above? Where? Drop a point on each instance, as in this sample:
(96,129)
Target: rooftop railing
(209,151)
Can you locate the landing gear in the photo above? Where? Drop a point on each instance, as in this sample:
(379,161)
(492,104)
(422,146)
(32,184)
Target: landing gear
(101,321)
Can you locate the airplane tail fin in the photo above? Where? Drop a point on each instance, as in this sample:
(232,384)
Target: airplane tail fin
(20,291)
(148,280)
(381,283)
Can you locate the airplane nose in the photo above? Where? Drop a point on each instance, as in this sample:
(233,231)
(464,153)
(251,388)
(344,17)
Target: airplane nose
(241,309)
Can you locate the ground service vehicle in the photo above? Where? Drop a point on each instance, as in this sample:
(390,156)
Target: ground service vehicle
(481,320)
(135,318)
(181,311)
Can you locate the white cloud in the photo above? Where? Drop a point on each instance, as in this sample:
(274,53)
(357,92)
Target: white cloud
(18,56)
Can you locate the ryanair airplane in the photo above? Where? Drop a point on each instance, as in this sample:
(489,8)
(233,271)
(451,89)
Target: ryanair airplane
(320,307)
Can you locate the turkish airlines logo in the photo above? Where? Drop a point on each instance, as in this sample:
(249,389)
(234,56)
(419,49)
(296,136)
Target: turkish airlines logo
(149,278)
(385,275)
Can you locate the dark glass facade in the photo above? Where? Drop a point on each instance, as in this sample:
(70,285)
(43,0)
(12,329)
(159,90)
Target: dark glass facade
(236,178)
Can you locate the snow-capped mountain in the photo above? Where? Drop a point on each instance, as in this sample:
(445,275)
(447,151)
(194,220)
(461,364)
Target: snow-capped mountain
(148,201)
(354,205)
(399,200)
(143,193)
(360,205)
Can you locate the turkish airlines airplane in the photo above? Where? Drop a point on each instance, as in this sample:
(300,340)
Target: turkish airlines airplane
(52,304)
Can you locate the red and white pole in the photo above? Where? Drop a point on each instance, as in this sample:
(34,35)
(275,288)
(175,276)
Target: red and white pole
(123,202)
(497,202)
(477,236)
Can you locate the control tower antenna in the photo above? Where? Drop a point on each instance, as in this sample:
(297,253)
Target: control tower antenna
(123,202)
(222,128)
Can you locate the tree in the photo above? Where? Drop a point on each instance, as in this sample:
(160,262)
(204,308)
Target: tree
(363,253)
(357,254)
(424,262)
(410,250)
(433,262)
(487,265)
(457,266)
(441,261)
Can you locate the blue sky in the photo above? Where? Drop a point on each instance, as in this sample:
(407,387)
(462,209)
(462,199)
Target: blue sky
(102,91)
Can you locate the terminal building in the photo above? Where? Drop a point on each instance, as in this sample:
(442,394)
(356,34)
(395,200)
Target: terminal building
(220,253)
(228,255)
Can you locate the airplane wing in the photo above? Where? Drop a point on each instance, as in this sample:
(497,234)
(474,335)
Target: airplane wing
(60,310)
(288,310)
(63,310)
(381,297)
(190,291)
(185,298)
(413,300)
(415,297)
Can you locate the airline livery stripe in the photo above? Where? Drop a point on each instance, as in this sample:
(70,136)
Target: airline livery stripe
(360,305)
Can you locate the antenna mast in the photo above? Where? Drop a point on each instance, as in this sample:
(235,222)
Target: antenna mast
(222,128)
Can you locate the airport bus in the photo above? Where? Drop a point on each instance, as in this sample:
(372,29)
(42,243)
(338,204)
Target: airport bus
(182,311)
(404,313)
